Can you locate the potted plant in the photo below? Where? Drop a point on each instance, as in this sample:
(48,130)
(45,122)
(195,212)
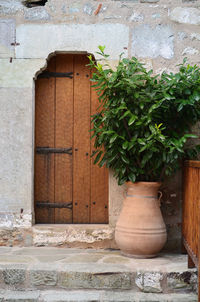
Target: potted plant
(141,131)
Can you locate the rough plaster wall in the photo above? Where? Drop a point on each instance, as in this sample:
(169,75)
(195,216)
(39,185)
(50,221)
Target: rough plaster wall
(159,32)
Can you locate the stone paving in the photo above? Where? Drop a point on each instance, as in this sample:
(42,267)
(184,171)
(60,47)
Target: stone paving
(61,274)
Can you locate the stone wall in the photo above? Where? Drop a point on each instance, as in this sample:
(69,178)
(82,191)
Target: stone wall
(159,32)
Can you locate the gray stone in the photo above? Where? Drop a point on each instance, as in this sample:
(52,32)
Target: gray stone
(149,1)
(10,7)
(28,240)
(14,276)
(88,9)
(36,13)
(149,282)
(182,35)
(74,8)
(112,17)
(136,17)
(47,38)
(195,36)
(152,42)
(156,16)
(43,277)
(190,51)
(7,36)
(16,141)
(83,258)
(112,296)
(71,296)
(25,71)
(17,296)
(88,280)
(181,281)
(187,15)
(116,259)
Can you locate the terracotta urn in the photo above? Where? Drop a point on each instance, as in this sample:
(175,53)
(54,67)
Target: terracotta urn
(140,230)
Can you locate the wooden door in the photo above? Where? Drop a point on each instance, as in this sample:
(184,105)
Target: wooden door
(69,188)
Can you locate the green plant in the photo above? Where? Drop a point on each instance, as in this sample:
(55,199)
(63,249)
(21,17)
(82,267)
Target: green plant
(144,120)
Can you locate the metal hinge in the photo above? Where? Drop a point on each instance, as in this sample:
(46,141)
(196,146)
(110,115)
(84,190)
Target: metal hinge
(54,205)
(50,74)
(46,150)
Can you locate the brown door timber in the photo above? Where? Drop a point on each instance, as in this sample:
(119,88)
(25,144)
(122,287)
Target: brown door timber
(69,188)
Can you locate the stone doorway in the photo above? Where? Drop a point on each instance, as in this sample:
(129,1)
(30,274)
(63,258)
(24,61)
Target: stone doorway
(69,188)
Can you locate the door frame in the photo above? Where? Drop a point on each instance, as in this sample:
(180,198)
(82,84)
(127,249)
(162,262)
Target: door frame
(49,57)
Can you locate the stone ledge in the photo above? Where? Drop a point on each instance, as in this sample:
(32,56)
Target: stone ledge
(92,296)
(72,235)
(75,269)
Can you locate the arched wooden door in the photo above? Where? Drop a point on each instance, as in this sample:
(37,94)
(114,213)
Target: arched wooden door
(69,188)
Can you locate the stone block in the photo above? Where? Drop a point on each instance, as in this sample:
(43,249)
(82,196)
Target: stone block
(195,36)
(186,15)
(182,35)
(14,276)
(190,51)
(39,40)
(11,7)
(88,9)
(188,1)
(19,73)
(36,14)
(149,282)
(16,296)
(149,1)
(7,36)
(136,17)
(182,281)
(43,277)
(153,42)
(16,155)
(105,280)
(71,296)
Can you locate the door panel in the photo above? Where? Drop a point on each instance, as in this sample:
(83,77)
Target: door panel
(99,179)
(81,165)
(63,109)
(63,138)
(44,137)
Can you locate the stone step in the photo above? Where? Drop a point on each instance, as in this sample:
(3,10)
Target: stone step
(39,269)
(92,296)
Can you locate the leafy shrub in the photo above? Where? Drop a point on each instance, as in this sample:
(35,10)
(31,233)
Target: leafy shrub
(144,120)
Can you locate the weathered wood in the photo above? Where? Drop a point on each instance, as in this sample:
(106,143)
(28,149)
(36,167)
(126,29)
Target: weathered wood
(63,137)
(191,214)
(64,170)
(81,164)
(44,137)
(99,178)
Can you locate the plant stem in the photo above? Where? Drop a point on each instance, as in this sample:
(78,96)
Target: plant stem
(162,172)
(126,127)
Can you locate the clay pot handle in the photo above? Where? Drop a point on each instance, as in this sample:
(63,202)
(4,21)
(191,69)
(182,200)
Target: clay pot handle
(159,198)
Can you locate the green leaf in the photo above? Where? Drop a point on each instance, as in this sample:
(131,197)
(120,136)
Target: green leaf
(98,157)
(132,120)
(125,159)
(102,162)
(190,136)
(125,145)
(113,138)
(125,114)
(132,177)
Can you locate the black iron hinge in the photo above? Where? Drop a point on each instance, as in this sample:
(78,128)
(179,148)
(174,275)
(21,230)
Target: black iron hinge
(54,205)
(46,150)
(51,74)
